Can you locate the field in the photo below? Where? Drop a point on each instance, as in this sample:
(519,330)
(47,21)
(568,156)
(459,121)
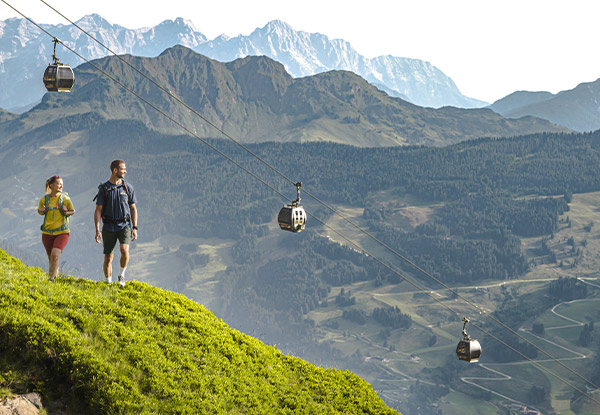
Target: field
(506,382)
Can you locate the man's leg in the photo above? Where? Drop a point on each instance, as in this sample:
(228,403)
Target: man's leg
(123,262)
(124,241)
(109,240)
(107,266)
(124,255)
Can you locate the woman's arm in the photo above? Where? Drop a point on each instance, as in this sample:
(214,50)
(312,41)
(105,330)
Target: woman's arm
(68,209)
(41,207)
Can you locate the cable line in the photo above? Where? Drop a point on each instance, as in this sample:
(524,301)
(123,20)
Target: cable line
(466,300)
(168,92)
(536,364)
(335,211)
(152,105)
(480,309)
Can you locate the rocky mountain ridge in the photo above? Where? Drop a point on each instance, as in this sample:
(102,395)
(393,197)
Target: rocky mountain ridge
(255,100)
(25,52)
(303,54)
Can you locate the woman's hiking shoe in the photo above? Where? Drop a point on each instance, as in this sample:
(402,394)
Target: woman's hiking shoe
(121,281)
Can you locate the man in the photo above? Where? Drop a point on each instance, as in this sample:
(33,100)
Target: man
(115,205)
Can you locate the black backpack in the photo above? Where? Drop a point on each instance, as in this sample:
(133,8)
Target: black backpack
(106,219)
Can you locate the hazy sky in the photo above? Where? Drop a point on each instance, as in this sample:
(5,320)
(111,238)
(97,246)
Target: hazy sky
(490,48)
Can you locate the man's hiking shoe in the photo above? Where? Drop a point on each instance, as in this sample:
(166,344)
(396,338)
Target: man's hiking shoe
(108,280)
(121,281)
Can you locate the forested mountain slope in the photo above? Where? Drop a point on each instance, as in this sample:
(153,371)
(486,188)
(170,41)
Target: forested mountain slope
(255,100)
(480,184)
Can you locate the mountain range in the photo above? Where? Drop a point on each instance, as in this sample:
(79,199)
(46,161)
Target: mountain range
(25,52)
(577,109)
(255,100)
(216,237)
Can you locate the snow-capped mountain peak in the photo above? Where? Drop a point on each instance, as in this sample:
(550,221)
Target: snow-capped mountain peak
(23,50)
(93,21)
(304,54)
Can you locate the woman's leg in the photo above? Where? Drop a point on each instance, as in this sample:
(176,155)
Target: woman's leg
(60,242)
(54,259)
(48,242)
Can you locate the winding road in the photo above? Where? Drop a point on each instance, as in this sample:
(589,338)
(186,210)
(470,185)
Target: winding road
(505,377)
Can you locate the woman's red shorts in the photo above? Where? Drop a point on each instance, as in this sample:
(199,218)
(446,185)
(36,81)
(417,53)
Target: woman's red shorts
(55,241)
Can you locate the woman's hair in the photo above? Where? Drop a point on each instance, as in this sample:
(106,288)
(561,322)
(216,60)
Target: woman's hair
(50,181)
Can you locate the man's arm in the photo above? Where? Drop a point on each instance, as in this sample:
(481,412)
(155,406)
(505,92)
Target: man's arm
(97,217)
(134,219)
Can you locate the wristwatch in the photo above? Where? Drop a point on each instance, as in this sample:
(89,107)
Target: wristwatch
(135,227)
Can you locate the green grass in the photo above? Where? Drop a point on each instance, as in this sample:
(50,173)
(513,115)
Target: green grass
(456,403)
(142,350)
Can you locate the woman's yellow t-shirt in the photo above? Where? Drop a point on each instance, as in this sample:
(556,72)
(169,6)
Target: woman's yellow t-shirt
(54,219)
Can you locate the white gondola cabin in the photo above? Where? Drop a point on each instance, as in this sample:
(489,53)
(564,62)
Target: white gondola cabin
(292,217)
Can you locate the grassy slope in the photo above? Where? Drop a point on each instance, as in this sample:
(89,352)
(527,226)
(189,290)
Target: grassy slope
(144,350)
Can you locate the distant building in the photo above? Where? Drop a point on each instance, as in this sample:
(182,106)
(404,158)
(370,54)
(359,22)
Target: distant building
(516,409)
(377,358)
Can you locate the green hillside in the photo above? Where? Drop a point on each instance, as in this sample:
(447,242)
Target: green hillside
(142,350)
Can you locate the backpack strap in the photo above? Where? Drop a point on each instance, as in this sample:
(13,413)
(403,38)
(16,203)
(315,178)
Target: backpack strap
(100,186)
(126,189)
(61,203)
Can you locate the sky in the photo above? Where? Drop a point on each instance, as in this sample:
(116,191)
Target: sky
(490,48)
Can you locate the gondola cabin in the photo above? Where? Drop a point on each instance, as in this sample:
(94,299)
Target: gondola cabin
(292,218)
(468,350)
(58,77)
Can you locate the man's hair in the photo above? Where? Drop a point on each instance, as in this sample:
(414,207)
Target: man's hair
(115,164)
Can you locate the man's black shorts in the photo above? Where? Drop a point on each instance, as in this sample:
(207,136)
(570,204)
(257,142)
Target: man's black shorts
(110,239)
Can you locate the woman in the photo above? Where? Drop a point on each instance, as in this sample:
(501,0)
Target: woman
(57,209)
